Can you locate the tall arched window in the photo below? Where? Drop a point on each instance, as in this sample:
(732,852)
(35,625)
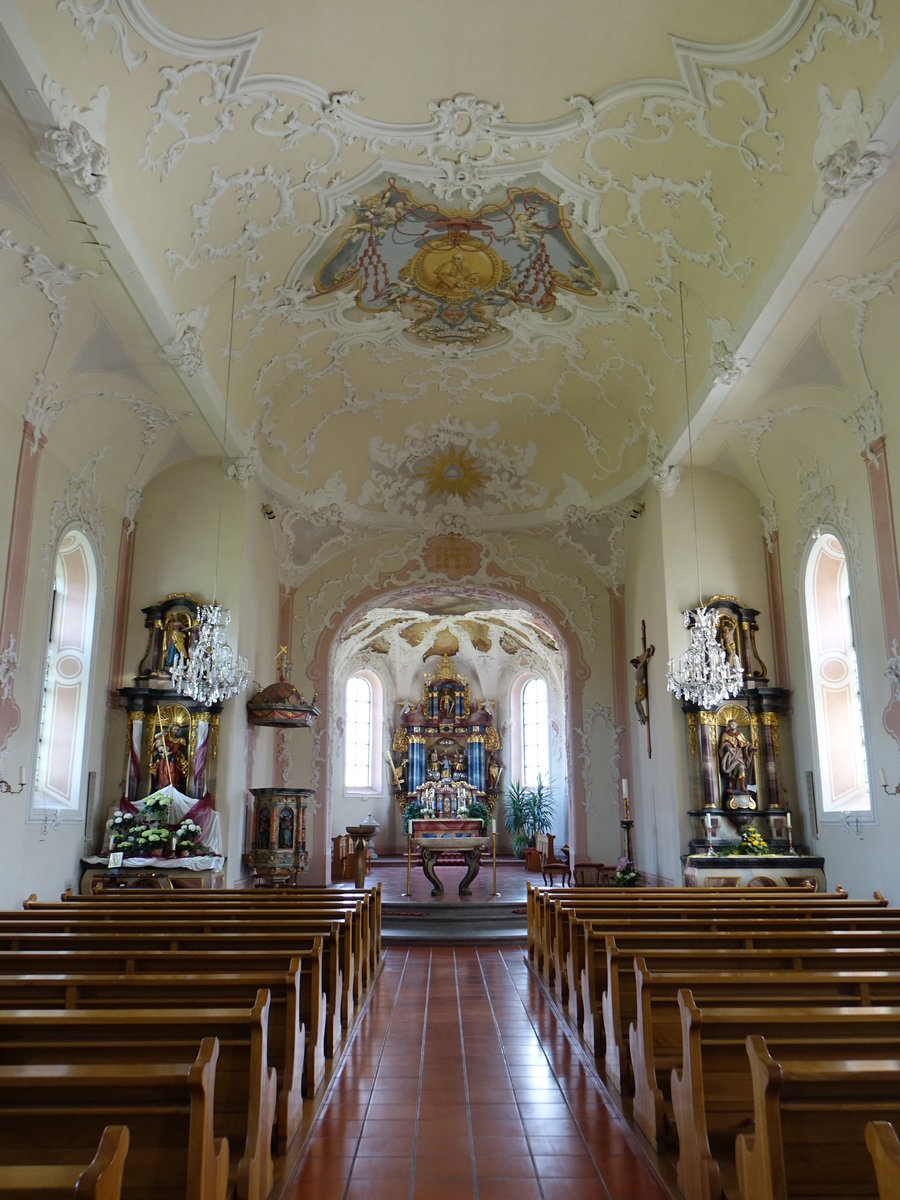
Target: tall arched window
(535,732)
(67,676)
(362,761)
(840,733)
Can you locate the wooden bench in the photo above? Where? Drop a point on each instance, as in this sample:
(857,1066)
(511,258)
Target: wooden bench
(809,1122)
(101,1179)
(232,899)
(338,925)
(884,1146)
(714,1091)
(245,1085)
(168,1108)
(319,938)
(173,981)
(649,941)
(655,1036)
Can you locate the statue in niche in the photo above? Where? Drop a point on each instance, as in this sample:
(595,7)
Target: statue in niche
(447,703)
(735,758)
(286,830)
(263,829)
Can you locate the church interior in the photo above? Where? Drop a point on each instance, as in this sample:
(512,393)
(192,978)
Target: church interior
(400,416)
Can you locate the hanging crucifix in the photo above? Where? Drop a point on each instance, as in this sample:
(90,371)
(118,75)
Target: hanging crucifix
(641,688)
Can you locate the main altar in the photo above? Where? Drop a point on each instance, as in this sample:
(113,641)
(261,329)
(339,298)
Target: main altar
(445,753)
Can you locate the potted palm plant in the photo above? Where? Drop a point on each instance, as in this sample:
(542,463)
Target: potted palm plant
(529,811)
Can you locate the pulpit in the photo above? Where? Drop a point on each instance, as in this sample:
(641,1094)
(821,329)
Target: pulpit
(279,835)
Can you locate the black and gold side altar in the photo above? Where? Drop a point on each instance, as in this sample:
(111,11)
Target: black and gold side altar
(446,750)
(171,738)
(736,748)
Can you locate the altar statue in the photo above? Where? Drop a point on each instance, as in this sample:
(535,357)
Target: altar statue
(735,757)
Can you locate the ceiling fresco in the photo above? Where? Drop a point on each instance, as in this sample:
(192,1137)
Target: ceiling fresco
(451,270)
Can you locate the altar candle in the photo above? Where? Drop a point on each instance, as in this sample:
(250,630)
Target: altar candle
(707,821)
(493,825)
(624,789)
(22,776)
(787,819)
(883,775)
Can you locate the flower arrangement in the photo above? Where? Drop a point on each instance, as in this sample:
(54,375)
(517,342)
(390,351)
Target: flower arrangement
(156,807)
(187,839)
(121,832)
(752,842)
(627,873)
(151,841)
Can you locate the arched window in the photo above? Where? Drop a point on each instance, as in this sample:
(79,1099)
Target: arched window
(535,732)
(67,677)
(362,761)
(839,730)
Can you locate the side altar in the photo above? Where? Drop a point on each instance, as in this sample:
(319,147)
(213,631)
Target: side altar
(445,753)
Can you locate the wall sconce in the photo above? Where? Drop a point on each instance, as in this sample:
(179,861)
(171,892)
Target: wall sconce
(7,789)
(890,791)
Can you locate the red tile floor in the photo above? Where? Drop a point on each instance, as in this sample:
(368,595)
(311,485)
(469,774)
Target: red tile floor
(460,1082)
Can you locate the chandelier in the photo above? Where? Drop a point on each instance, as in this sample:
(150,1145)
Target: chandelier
(703,675)
(211,671)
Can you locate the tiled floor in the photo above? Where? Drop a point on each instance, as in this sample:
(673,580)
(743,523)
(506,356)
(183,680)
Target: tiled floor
(460,1083)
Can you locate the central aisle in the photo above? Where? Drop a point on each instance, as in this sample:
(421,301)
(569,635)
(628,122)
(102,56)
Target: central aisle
(460,1083)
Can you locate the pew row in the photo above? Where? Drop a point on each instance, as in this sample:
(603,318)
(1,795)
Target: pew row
(884,1147)
(181,987)
(168,1108)
(245,1085)
(809,1122)
(101,1179)
(715,1090)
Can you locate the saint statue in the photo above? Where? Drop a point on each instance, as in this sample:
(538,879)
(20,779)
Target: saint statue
(735,757)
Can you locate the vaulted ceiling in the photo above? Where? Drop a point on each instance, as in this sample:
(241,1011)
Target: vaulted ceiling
(450,248)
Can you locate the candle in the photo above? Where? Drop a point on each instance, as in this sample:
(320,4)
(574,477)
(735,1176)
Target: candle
(787,819)
(494,825)
(22,776)
(883,775)
(707,821)
(624,789)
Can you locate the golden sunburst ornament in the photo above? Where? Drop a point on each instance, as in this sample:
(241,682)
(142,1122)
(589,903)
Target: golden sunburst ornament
(453,472)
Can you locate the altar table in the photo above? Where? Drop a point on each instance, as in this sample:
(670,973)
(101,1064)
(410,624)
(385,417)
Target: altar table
(431,848)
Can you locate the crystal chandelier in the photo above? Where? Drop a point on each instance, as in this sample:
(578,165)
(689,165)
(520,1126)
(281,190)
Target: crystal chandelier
(703,675)
(211,670)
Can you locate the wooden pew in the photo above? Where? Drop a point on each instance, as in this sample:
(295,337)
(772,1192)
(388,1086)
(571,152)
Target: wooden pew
(567,950)
(245,1085)
(884,1146)
(168,1107)
(714,1091)
(81,982)
(649,941)
(809,1121)
(655,1037)
(233,900)
(319,939)
(338,926)
(101,1179)
(266,900)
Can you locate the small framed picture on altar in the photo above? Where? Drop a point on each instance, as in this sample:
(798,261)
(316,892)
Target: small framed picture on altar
(115,858)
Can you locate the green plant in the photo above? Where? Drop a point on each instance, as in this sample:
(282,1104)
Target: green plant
(529,811)
(414,811)
(477,810)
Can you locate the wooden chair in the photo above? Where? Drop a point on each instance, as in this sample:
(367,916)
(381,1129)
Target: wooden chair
(593,875)
(551,867)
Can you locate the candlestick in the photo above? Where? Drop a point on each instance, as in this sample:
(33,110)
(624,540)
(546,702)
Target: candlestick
(626,809)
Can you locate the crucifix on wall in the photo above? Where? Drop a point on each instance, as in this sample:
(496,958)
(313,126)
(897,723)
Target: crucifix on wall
(641,664)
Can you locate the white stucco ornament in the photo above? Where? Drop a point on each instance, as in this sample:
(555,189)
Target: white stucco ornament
(73,146)
(844,155)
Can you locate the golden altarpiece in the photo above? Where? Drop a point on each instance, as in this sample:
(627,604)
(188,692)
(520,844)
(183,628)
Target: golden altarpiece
(445,752)
(737,769)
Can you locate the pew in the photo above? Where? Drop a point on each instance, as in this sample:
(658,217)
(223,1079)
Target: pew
(650,941)
(168,1108)
(715,1092)
(298,1059)
(884,1146)
(101,1179)
(232,901)
(339,927)
(655,1037)
(245,1085)
(320,939)
(809,1122)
